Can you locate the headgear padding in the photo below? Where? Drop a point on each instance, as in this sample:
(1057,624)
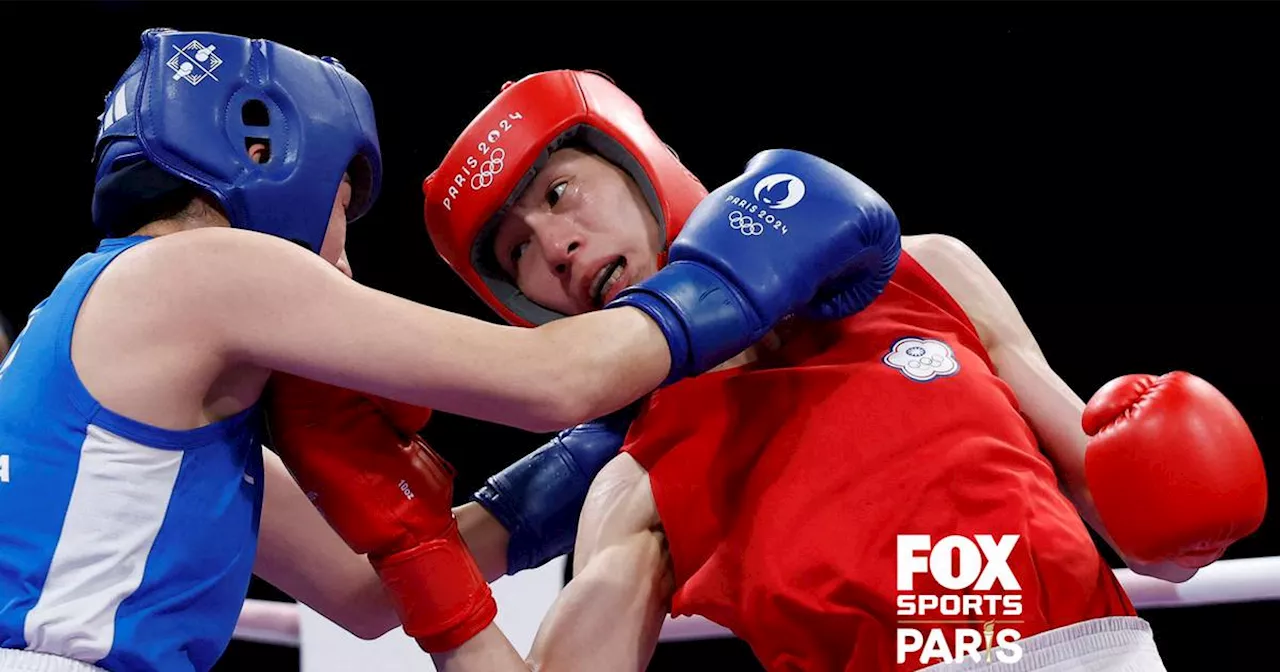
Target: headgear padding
(501,150)
(191,104)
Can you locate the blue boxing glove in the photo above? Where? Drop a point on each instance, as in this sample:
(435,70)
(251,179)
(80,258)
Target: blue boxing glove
(795,234)
(538,498)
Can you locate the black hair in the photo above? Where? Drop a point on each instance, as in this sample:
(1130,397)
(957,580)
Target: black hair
(138,194)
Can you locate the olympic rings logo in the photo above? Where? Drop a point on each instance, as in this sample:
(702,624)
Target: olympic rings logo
(744,224)
(923,358)
(489,169)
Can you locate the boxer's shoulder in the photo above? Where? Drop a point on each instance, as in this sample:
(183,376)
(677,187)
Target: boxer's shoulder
(204,250)
(160,279)
(937,248)
(197,279)
(148,339)
(969,282)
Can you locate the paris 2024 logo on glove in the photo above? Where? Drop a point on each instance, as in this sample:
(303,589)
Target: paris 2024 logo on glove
(778,191)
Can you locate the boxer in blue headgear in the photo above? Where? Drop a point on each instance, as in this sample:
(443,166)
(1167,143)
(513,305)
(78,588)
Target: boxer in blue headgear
(131,404)
(183,115)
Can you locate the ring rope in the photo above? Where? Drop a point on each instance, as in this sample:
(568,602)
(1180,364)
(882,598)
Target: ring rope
(1223,582)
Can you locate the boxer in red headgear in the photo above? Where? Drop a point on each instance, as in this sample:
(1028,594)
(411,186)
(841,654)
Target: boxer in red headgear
(813,494)
(510,143)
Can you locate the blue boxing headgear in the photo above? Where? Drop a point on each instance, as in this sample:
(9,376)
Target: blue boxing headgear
(189,107)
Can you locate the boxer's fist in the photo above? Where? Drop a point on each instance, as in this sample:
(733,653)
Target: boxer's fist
(1174,471)
(349,452)
(389,496)
(793,234)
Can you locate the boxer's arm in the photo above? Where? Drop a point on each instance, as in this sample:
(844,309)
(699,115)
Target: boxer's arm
(301,555)
(601,621)
(337,583)
(608,618)
(485,537)
(263,301)
(1048,403)
(610,615)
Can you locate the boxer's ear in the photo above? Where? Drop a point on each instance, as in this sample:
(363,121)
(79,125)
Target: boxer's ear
(259,149)
(254,113)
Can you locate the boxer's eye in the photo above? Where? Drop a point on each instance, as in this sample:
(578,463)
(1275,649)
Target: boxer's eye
(517,252)
(557,190)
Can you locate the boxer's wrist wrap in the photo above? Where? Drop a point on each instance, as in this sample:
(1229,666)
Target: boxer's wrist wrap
(705,319)
(526,548)
(438,591)
(537,500)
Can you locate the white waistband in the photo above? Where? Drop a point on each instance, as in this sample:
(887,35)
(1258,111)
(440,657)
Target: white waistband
(18,660)
(1111,644)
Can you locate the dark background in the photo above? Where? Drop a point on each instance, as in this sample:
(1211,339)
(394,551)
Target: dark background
(1113,163)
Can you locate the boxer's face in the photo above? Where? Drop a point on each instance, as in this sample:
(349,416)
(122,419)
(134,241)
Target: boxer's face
(580,233)
(334,247)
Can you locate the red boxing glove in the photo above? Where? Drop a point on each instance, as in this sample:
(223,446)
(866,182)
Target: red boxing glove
(388,495)
(1174,470)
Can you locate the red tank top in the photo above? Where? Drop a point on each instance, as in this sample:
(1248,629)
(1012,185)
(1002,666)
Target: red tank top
(783,487)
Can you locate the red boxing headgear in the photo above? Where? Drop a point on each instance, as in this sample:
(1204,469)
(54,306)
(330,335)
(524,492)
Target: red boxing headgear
(494,159)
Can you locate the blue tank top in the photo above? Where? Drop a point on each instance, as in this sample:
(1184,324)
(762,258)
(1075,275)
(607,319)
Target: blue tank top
(121,544)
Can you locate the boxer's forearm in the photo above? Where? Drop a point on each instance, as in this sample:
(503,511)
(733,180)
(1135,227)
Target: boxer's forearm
(485,537)
(1048,403)
(545,379)
(488,651)
(597,623)
(299,553)
(601,361)
(1050,406)
(318,324)
(600,622)
(1054,411)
